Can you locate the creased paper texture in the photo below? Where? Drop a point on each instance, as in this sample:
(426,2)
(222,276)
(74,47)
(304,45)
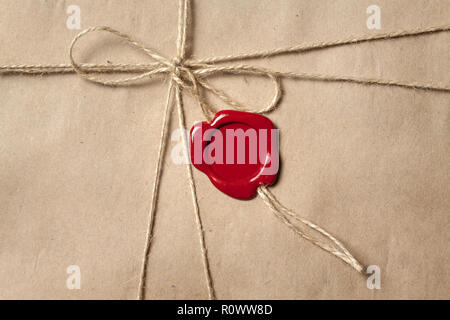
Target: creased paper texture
(368,163)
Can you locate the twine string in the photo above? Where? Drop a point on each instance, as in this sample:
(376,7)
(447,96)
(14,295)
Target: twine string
(282,213)
(154,197)
(190,75)
(174,85)
(181,45)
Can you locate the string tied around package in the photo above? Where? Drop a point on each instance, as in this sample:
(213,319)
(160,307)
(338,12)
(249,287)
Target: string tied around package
(190,75)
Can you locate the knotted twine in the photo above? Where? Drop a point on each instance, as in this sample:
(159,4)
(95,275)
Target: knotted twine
(190,75)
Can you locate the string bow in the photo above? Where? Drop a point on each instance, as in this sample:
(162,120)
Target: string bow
(187,74)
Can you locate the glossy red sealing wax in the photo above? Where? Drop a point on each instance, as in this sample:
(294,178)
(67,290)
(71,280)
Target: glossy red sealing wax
(238,151)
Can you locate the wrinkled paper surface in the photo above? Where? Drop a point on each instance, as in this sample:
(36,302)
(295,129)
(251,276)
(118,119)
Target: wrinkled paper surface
(369,164)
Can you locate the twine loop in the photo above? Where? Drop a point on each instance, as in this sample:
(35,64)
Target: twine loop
(182,74)
(189,75)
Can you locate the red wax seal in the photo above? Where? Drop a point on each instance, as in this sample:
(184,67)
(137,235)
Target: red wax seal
(238,151)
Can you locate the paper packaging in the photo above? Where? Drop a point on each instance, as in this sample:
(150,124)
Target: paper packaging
(367,163)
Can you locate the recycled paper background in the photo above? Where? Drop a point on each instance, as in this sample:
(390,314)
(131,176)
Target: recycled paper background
(369,164)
